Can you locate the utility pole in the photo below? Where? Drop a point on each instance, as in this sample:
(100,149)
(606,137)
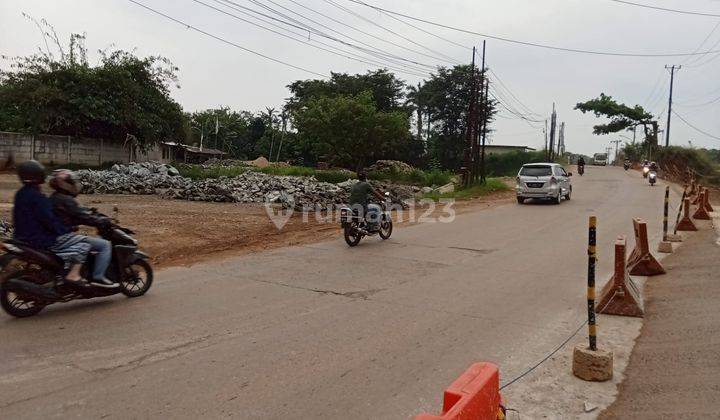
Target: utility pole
(553,127)
(483,128)
(672,82)
(617,147)
(545,133)
(470,128)
(561,139)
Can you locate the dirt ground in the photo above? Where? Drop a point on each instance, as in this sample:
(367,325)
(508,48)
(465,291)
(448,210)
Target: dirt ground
(674,370)
(178,232)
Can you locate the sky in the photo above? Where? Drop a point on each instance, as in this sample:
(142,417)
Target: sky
(214,73)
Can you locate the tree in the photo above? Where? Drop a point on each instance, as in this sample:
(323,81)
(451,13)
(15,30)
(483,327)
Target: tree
(622,117)
(446,97)
(386,90)
(119,97)
(350,131)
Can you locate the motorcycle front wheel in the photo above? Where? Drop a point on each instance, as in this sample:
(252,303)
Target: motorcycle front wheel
(386,229)
(138,279)
(352,236)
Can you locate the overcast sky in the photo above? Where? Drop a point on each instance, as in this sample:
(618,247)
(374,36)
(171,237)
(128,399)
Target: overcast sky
(213,73)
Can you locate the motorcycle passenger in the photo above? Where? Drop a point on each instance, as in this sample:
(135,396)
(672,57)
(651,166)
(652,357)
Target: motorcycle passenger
(72,215)
(37,225)
(653,166)
(359,201)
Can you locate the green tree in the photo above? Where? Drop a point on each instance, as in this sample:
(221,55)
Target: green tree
(386,90)
(350,131)
(122,96)
(446,97)
(622,117)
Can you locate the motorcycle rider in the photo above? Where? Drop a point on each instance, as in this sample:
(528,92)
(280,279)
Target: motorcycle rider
(581,165)
(72,215)
(37,225)
(359,201)
(653,166)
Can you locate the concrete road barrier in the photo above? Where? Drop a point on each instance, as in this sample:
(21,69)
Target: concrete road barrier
(475,395)
(686,224)
(641,261)
(701,213)
(620,295)
(708,207)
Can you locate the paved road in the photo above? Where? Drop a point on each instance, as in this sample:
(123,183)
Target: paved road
(324,331)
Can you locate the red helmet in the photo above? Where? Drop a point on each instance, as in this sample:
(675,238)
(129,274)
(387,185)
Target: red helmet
(63,181)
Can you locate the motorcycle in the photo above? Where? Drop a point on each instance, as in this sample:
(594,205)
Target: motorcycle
(355,226)
(581,169)
(645,171)
(626,165)
(40,281)
(652,178)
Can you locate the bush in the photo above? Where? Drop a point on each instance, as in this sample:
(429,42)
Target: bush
(508,164)
(473,191)
(675,161)
(434,177)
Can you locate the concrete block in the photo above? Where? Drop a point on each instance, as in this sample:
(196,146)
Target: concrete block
(665,247)
(595,366)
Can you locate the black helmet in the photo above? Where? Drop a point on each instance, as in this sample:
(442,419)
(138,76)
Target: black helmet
(63,180)
(31,172)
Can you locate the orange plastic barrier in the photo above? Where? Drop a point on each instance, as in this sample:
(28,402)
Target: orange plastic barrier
(701,213)
(475,395)
(641,261)
(686,224)
(620,295)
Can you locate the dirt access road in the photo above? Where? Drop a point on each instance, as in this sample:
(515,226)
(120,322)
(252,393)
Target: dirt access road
(175,232)
(325,331)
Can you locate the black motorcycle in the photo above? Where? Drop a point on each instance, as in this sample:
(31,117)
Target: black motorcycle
(355,226)
(626,165)
(38,279)
(581,169)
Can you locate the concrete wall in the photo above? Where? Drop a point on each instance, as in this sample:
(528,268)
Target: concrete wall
(58,150)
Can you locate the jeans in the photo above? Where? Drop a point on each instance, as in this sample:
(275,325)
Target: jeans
(103,249)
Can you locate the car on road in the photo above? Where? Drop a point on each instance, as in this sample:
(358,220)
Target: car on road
(600,159)
(547,181)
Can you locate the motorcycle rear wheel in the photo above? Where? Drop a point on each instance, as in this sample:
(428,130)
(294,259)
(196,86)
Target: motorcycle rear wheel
(16,306)
(352,236)
(141,280)
(386,229)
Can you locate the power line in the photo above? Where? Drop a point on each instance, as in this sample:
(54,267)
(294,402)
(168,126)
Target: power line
(446,58)
(304,27)
(208,34)
(330,48)
(694,127)
(664,9)
(532,44)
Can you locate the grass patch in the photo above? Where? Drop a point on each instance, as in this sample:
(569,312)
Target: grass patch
(492,185)
(197,172)
(430,178)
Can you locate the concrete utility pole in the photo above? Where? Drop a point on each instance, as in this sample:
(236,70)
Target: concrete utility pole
(545,133)
(617,148)
(553,127)
(470,128)
(561,139)
(483,129)
(672,82)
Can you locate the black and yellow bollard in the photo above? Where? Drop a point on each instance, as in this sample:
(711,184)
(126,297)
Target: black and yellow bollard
(589,363)
(666,246)
(592,259)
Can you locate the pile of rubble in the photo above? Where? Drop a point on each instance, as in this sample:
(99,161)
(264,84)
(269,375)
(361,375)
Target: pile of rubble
(391,166)
(302,193)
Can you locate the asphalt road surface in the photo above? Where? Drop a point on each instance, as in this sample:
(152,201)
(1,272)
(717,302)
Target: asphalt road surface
(324,331)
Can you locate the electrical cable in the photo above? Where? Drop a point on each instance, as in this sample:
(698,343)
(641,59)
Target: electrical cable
(664,9)
(694,127)
(208,34)
(532,44)
(337,51)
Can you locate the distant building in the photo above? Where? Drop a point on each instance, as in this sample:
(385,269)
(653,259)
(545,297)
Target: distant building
(496,149)
(177,152)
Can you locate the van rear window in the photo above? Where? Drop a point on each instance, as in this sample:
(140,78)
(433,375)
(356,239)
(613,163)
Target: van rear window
(536,171)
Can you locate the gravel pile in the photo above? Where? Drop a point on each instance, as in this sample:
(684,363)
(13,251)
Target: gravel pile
(301,193)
